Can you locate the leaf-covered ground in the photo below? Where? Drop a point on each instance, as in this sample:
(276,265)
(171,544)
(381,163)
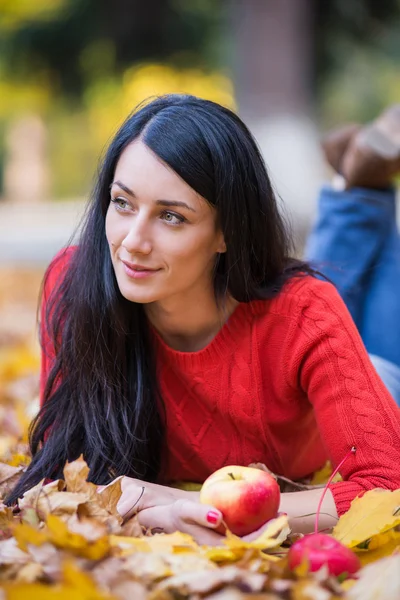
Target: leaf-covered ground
(66,540)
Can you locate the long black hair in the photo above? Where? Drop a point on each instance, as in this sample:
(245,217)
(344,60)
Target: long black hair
(101,398)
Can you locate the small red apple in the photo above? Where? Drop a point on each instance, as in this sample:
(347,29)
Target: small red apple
(247,497)
(319,549)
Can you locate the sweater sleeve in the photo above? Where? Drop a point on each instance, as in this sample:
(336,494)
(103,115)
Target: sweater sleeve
(327,358)
(52,279)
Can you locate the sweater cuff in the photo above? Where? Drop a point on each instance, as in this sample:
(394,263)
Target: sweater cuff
(343,493)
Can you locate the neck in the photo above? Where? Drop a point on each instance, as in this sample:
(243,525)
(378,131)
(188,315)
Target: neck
(189,326)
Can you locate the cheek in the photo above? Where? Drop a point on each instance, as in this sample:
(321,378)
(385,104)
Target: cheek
(112,229)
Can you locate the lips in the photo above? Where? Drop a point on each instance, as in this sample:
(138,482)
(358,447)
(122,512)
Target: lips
(138,267)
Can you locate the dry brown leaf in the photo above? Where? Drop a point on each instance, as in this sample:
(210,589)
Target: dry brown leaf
(9,477)
(89,528)
(147,568)
(286,485)
(7,518)
(100,505)
(60,535)
(206,581)
(132,528)
(75,476)
(11,553)
(130,589)
(51,499)
(30,572)
(310,590)
(50,559)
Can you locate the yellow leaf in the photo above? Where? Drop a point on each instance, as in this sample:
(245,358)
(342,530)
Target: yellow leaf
(370,515)
(128,545)
(18,460)
(172,542)
(62,537)
(6,517)
(26,534)
(39,591)
(381,545)
(273,535)
(77,579)
(188,486)
(323,475)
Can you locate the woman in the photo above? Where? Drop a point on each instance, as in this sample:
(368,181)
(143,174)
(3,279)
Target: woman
(355,240)
(179,336)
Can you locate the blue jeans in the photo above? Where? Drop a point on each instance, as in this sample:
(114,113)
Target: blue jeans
(356,244)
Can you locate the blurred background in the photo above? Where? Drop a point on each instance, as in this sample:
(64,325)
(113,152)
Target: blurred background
(71,70)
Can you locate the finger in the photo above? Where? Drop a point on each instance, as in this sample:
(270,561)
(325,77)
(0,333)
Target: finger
(130,504)
(194,512)
(156,520)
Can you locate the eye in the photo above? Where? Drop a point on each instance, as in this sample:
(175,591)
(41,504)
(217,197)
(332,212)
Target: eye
(172,218)
(120,204)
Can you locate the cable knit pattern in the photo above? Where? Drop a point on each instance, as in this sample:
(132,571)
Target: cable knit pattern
(286,382)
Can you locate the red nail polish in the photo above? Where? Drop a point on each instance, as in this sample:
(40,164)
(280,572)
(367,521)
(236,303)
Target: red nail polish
(212,517)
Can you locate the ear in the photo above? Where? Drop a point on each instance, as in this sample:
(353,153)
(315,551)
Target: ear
(221,248)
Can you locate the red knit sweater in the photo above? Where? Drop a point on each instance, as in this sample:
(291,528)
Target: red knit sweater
(286,382)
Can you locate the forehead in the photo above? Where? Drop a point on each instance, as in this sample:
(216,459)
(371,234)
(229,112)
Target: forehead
(146,174)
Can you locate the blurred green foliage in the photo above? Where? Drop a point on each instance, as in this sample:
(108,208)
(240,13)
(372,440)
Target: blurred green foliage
(82,65)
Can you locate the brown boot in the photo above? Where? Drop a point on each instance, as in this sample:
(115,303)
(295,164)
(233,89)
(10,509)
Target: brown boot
(372,157)
(335,143)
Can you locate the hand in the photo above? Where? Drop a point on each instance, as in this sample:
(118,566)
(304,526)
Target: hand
(187,516)
(165,509)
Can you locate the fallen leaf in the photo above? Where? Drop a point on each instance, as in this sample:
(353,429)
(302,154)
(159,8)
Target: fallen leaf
(370,515)
(130,589)
(75,476)
(273,535)
(9,477)
(380,580)
(77,579)
(30,572)
(204,582)
(6,517)
(11,553)
(100,505)
(320,478)
(381,545)
(129,545)
(61,536)
(25,534)
(172,542)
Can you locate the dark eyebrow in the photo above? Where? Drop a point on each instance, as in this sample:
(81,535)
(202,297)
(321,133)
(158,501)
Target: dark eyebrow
(123,187)
(174,203)
(158,202)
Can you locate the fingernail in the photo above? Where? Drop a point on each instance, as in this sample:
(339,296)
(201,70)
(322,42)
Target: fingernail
(212,517)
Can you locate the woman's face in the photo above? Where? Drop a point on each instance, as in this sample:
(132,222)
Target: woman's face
(162,235)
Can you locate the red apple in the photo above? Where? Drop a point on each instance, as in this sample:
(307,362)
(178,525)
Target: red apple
(318,549)
(246,497)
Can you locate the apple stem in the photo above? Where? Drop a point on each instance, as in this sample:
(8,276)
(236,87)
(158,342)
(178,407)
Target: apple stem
(351,451)
(231,475)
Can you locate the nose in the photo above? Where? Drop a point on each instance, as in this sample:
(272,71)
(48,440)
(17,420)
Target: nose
(138,238)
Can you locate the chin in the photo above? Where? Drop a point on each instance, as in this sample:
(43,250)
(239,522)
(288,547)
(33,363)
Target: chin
(132,296)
